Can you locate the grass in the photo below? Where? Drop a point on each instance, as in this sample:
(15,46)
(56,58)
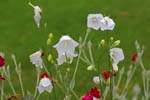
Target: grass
(20,36)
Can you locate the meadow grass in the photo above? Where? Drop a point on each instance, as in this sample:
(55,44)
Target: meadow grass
(20,36)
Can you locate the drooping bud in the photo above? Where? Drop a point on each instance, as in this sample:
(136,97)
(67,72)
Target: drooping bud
(50,35)
(90,68)
(48,41)
(116,43)
(102,43)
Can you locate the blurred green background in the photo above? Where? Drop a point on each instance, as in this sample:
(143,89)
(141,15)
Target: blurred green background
(20,36)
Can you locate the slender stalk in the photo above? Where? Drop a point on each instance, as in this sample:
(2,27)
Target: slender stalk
(38,96)
(31,4)
(80,51)
(37,82)
(21,84)
(75,95)
(2,89)
(11,86)
(105,93)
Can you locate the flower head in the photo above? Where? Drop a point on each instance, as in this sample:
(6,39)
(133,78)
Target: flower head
(36,59)
(2,61)
(65,48)
(107,24)
(106,75)
(87,96)
(45,83)
(96,79)
(37,15)
(93,21)
(134,57)
(95,92)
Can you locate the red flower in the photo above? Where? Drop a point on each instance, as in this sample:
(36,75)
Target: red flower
(134,57)
(95,92)
(2,61)
(106,74)
(1,78)
(87,96)
(44,75)
(12,97)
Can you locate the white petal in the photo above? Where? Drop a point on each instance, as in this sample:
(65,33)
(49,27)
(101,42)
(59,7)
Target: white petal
(49,88)
(41,89)
(37,19)
(96,79)
(93,21)
(61,59)
(115,67)
(45,82)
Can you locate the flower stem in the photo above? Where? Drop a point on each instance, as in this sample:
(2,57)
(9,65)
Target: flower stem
(2,89)
(37,82)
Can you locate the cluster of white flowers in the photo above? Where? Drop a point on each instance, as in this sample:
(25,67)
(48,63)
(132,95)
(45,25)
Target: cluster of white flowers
(97,21)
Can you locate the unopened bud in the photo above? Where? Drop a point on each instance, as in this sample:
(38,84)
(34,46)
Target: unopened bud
(50,35)
(102,43)
(68,69)
(49,58)
(111,38)
(48,41)
(116,43)
(90,68)
(68,58)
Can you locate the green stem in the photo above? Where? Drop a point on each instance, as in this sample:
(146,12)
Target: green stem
(21,84)
(2,89)
(37,82)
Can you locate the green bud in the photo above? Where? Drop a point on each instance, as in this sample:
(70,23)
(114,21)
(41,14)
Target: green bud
(111,38)
(90,68)
(116,43)
(49,41)
(102,43)
(49,58)
(68,69)
(50,35)
(108,81)
(68,58)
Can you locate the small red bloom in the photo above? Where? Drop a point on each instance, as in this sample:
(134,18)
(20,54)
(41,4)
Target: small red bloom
(12,97)
(134,57)
(106,74)
(1,78)
(87,96)
(2,61)
(95,92)
(44,75)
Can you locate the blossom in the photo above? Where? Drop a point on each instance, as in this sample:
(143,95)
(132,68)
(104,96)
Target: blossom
(96,79)
(106,75)
(1,78)
(94,21)
(45,83)
(95,92)
(134,57)
(37,15)
(117,55)
(65,48)
(36,59)
(107,24)
(87,96)
(2,61)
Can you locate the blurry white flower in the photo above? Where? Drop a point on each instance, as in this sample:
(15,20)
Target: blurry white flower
(117,55)
(107,24)
(36,59)
(45,84)
(96,79)
(37,15)
(93,21)
(65,48)
(136,90)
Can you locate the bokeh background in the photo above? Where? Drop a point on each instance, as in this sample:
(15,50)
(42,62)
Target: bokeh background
(20,36)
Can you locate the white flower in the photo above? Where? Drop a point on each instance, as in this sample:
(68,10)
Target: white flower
(117,55)
(93,21)
(37,15)
(45,85)
(107,24)
(65,48)
(96,79)
(36,59)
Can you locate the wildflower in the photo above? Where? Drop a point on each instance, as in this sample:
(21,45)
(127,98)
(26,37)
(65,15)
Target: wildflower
(106,75)
(95,92)
(12,97)
(93,21)
(45,83)
(1,78)
(134,57)
(87,96)
(2,61)
(107,24)
(117,55)
(96,79)
(36,59)
(65,48)
(37,15)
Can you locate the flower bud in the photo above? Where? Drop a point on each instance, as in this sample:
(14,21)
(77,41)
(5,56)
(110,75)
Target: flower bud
(116,43)
(50,35)
(68,69)
(48,41)
(102,43)
(96,79)
(49,58)
(111,38)
(90,68)
(68,58)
